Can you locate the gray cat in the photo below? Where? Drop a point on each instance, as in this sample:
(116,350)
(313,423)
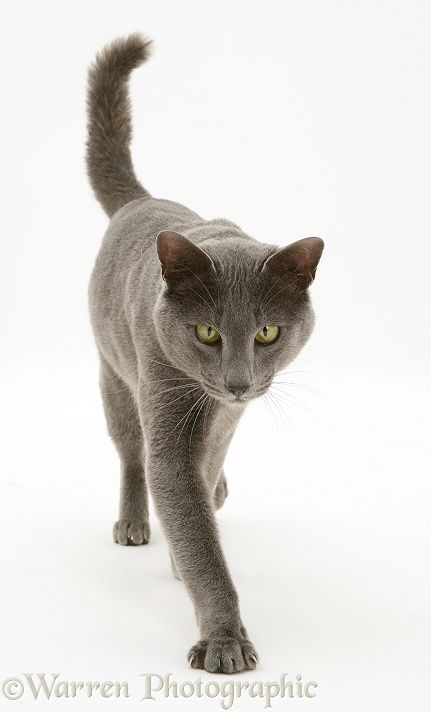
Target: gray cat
(192,319)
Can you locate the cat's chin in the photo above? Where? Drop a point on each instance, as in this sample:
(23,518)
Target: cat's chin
(235,402)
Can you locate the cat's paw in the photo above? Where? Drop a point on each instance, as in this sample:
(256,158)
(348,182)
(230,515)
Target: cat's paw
(227,655)
(221,492)
(131,532)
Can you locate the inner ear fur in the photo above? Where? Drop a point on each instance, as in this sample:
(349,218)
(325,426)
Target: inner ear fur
(179,256)
(298,260)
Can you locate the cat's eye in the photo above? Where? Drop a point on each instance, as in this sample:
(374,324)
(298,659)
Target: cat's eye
(207,333)
(268,334)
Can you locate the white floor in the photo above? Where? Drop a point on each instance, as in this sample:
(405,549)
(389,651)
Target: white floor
(327,532)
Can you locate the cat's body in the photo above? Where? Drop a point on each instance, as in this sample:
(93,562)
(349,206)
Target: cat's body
(173,393)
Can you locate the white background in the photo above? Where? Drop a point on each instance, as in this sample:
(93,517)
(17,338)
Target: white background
(292,119)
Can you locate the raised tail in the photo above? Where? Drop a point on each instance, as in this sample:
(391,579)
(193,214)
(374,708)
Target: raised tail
(109,163)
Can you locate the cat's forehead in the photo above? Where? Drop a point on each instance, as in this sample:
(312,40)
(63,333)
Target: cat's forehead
(237,290)
(238,263)
(239,285)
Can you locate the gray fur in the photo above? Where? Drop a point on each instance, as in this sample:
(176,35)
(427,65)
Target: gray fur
(172,403)
(109,163)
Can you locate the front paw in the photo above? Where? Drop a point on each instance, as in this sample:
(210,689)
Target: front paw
(227,655)
(131,532)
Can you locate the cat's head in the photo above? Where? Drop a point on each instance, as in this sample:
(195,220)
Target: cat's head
(235,312)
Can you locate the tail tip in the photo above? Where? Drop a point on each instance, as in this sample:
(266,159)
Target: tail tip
(135,47)
(125,53)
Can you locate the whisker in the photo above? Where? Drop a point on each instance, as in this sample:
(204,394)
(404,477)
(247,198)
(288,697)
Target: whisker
(268,404)
(283,411)
(261,304)
(208,408)
(304,372)
(265,306)
(181,419)
(182,395)
(193,426)
(203,299)
(188,414)
(206,288)
(301,362)
(161,363)
(157,380)
(117,393)
(292,400)
(297,385)
(162,380)
(175,388)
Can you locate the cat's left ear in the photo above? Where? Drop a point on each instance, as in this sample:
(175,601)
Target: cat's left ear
(180,257)
(298,260)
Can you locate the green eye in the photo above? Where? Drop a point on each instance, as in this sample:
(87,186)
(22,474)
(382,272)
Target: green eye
(207,333)
(268,334)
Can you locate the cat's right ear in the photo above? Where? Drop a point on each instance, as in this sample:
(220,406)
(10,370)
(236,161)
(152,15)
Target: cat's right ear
(180,257)
(297,261)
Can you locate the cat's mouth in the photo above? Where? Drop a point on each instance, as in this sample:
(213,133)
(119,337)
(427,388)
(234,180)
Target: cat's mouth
(235,396)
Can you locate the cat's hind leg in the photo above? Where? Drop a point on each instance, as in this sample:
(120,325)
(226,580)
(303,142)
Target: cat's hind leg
(124,428)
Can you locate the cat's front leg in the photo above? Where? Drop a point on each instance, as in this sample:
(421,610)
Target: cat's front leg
(184,508)
(183,503)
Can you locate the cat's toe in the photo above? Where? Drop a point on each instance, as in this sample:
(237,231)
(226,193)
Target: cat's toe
(196,654)
(131,532)
(223,655)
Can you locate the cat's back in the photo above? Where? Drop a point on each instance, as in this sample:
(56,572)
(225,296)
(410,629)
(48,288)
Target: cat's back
(131,236)
(127,269)
(134,227)
(127,251)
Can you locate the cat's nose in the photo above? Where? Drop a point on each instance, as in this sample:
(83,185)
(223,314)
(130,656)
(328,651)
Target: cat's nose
(238,389)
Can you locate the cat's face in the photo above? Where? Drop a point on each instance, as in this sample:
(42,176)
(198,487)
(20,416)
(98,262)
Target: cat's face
(235,314)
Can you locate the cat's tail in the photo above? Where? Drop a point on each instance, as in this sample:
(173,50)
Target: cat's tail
(109,164)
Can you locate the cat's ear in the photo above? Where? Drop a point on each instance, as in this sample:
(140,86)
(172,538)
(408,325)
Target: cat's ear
(299,260)
(180,257)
